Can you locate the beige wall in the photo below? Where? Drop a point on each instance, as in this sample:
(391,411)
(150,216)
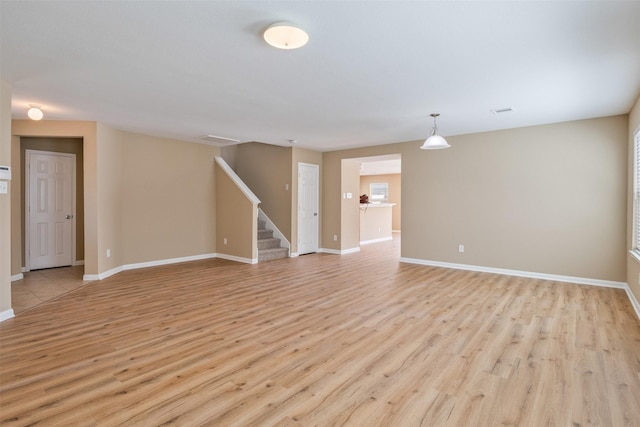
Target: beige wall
(633,265)
(375,222)
(302,155)
(168,199)
(395,188)
(5,200)
(266,169)
(58,145)
(236,219)
(350,208)
(17,235)
(546,199)
(87,131)
(109,197)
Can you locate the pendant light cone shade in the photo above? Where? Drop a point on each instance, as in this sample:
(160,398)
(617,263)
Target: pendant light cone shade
(435,141)
(285,36)
(35,113)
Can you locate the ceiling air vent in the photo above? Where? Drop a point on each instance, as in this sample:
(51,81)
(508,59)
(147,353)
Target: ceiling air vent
(219,139)
(503,110)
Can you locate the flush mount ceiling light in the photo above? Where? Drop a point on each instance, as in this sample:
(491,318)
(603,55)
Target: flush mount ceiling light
(284,35)
(435,141)
(34,112)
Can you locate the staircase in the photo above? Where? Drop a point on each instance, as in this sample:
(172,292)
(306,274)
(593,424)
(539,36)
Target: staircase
(268,246)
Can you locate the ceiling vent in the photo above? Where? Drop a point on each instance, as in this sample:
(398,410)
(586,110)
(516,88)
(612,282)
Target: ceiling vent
(503,110)
(219,139)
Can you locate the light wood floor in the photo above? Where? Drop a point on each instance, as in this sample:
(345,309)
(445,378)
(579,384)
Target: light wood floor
(358,340)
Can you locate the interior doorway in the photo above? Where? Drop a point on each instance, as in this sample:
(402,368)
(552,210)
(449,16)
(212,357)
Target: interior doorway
(308,203)
(50,209)
(56,146)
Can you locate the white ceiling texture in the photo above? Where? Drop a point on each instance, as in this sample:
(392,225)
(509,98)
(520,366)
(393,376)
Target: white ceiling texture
(371,73)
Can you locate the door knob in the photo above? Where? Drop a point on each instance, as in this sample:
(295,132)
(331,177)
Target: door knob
(69,216)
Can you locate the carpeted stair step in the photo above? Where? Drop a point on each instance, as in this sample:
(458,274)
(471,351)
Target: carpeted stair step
(271,254)
(265,234)
(268,243)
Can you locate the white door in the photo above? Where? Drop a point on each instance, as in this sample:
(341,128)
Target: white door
(50,209)
(307,208)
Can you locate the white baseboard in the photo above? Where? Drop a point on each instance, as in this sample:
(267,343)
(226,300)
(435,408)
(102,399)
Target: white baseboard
(519,273)
(382,239)
(633,299)
(238,259)
(103,275)
(78,262)
(6,315)
(338,251)
(167,261)
(18,276)
(25,270)
(116,270)
(293,254)
(533,275)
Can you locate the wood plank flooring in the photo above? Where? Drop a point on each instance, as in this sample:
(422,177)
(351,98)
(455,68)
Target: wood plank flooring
(323,340)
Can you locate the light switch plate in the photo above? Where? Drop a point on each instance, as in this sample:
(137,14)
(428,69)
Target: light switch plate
(4,188)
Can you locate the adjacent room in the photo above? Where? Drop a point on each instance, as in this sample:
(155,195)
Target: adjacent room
(390,213)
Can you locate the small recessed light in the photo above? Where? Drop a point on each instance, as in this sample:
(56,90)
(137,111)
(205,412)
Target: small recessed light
(503,110)
(292,141)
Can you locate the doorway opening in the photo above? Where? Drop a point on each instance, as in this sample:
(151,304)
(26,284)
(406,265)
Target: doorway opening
(48,164)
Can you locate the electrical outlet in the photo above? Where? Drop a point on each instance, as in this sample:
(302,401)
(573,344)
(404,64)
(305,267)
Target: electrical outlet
(224,241)
(108,253)
(335,237)
(461,248)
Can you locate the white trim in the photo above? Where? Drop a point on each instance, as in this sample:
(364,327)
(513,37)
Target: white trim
(382,239)
(6,315)
(276,231)
(238,259)
(18,276)
(293,254)
(634,301)
(338,251)
(236,179)
(519,273)
(138,265)
(76,263)
(167,261)
(25,270)
(103,275)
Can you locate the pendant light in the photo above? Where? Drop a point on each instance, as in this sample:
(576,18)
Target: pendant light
(435,141)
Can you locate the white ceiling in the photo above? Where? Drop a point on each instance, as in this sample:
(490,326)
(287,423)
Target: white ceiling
(371,73)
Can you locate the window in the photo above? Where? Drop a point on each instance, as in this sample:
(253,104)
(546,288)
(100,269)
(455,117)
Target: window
(379,192)
(636,193)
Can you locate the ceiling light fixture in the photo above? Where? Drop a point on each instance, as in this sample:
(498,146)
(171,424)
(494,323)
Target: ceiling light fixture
(435,141)
(284,35)
(34,112)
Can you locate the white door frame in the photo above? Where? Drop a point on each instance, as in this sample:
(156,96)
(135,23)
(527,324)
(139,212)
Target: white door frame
(27,198)
(317,202)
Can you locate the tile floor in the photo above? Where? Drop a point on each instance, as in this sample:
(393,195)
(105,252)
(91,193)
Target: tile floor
(43,285)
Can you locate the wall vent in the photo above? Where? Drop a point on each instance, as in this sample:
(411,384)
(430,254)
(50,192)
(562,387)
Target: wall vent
(503,110)
(219,139)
